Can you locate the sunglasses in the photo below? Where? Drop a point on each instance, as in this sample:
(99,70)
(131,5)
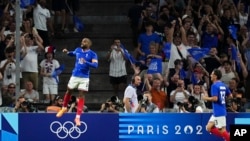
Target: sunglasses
(11,87)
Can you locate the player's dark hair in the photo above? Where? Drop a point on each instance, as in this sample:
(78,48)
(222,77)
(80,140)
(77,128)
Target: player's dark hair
(217,73)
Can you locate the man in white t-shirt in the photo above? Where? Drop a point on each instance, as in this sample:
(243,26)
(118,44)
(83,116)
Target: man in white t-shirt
(130,95)
(175,54)
(178,44)
(42,18)
(29,64)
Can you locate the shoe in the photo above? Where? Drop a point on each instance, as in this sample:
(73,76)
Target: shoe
(77,121)
(61,112)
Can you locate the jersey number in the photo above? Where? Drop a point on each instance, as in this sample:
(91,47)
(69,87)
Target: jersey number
(223,95)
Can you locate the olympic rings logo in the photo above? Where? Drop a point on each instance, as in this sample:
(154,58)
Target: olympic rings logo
(68,128)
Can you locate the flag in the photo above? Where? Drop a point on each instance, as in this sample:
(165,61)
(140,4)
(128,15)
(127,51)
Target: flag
(234,56)
(234,53)
(238,64)
(198,53)
(233,31)
(25,3)
(57,72)
(128,55)
(167,49)
(78,23)
(155,66)
(182,74)
(194,79)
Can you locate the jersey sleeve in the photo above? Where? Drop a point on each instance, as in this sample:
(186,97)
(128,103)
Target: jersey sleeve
(214,90)
(94,56)
(228,92)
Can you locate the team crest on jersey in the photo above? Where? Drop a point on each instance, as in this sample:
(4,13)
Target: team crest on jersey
(81,60)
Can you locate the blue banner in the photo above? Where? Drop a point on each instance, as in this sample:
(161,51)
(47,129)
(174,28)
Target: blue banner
(198,53)
(155,66)
(234,52)
(167,49)
(234,56)
(112,127)
(78,24)
(233,31)
(194,79)
(25,3)
(182,74)
(128,56)
(162,127)
(57,72)
(94,127)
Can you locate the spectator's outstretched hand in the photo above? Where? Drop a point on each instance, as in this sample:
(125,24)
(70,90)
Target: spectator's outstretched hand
(136,69)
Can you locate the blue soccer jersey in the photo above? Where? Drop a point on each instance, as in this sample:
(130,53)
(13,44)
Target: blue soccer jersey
(82,68)
(220,90)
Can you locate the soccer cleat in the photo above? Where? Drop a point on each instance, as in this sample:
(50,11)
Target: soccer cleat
(77,121)
(61,112)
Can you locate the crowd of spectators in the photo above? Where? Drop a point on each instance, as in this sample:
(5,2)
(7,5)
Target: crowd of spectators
(185,25)
(166,81)
(38,24)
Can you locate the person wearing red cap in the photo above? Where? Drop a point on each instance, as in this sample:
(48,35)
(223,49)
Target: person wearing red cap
(48,66)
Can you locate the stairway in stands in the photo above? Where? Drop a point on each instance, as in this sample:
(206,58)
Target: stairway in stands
(103,20)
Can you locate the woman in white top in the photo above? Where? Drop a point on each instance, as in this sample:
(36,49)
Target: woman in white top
(198,92)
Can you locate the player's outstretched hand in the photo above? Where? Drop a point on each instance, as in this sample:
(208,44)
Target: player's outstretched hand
(65,50)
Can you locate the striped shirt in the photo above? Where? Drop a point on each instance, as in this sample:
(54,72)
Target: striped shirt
(117,67)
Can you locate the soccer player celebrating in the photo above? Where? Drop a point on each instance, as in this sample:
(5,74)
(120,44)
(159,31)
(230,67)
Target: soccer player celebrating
(85,59)
(219,92)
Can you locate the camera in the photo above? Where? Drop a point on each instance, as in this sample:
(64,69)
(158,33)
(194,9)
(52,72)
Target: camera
(25,103)
(30,106)
(107,105)
(114,103)
(238,103)
(183,105)
(9,72)
(180,104)
(117,103)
